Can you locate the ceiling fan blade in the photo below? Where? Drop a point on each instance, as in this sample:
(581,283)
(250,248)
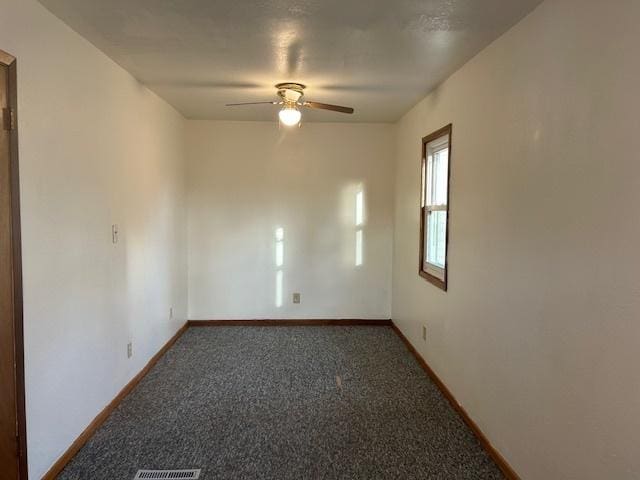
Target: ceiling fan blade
(251,103)
(327,106)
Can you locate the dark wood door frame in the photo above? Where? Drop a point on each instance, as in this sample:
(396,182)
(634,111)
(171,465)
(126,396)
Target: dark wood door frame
(10,122)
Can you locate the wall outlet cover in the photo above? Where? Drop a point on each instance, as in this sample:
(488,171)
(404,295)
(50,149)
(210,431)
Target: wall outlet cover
(296,298)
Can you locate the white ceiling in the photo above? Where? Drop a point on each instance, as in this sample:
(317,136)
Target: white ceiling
(378,56)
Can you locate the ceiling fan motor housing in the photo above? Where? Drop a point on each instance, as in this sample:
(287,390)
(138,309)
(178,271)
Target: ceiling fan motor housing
(290,92)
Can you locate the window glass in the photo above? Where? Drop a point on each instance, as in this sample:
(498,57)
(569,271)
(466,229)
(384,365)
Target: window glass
(437,239)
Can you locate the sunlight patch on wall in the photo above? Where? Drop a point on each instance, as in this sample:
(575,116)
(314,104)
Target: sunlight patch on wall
(279,261)
(358,248)
(359,221)
(353,215)
(279,247)
(359,208)
(279,288)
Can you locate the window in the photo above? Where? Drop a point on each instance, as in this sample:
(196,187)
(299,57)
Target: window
(434,212)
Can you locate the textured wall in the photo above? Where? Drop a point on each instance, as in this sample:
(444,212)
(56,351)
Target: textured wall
(96,148)
(538,333)
(246,179)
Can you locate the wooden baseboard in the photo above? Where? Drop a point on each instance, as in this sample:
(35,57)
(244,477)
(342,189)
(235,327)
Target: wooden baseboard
(288,323)
(502,464)
(88,432)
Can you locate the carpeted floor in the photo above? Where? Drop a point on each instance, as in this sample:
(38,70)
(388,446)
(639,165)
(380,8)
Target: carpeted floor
(286,403)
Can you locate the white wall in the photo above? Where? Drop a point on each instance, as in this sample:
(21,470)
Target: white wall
(96,148)
(538,334)
(248,178)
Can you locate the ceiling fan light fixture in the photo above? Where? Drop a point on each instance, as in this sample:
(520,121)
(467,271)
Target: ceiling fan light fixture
(291,99)
(290,116)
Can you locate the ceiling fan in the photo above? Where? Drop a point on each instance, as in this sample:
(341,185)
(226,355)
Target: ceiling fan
(291,99)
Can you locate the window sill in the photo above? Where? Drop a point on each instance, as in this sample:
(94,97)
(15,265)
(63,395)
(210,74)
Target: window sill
(441,284)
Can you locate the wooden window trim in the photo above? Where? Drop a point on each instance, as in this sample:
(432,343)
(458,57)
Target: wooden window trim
(442,284)
(10,62)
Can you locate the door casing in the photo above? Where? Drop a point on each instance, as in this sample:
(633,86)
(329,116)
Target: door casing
(10,124)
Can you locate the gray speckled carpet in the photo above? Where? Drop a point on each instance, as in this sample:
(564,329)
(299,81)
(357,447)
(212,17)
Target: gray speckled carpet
(265,403)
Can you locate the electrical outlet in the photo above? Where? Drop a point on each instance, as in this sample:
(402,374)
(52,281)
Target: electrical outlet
(296,298)
(129,349)
(114,233)
(170,312)
(424,333)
